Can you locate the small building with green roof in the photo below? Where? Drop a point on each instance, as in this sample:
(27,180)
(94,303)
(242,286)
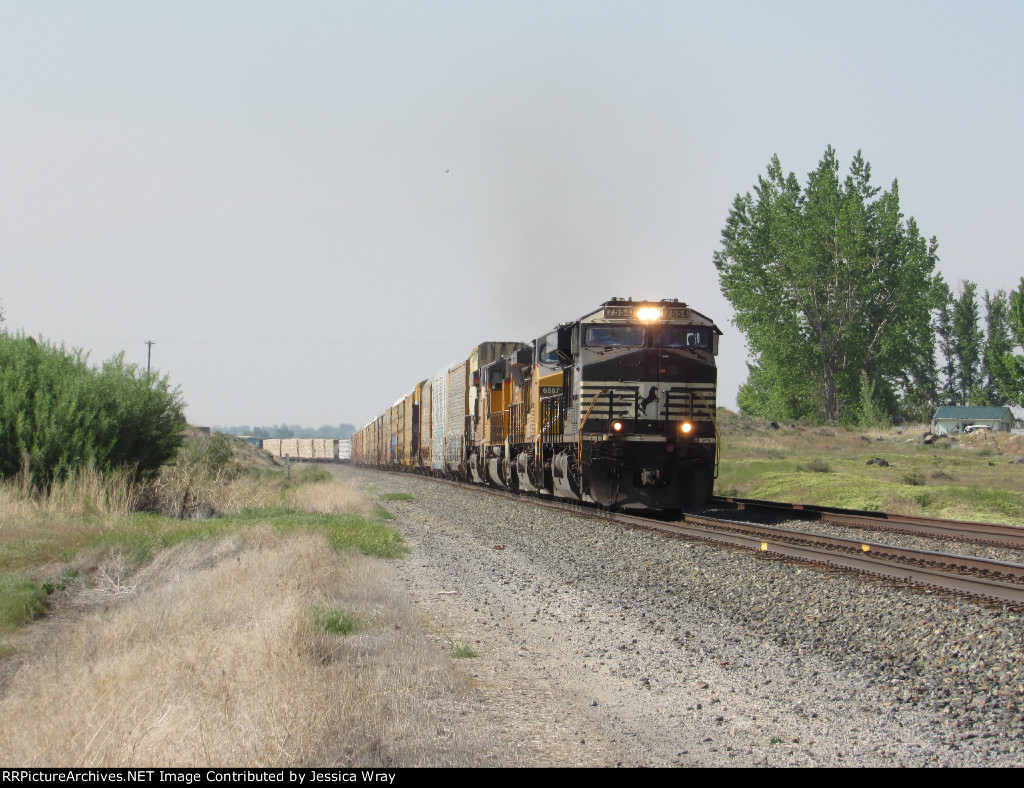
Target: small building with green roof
(954,419)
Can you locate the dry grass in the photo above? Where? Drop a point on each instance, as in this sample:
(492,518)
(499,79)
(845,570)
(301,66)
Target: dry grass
(40,528)
(331,497)
(210,656)
(86,494)
(189,490)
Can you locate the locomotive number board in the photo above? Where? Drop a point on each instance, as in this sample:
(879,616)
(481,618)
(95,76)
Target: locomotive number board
(629,312)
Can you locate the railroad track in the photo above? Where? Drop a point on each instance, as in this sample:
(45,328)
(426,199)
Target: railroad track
(1000,582)
(992,534)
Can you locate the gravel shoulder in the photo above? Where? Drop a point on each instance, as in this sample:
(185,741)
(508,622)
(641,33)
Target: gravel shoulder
(599,646)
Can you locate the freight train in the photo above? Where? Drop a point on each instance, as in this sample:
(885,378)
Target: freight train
(616,408)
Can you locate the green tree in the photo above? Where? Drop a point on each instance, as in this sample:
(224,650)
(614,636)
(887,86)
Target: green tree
(1010,367)
(833,288)
(961,341)
(997,345)
(946,342)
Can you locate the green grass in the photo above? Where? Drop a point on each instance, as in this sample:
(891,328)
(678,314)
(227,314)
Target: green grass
(343,531)
(309,474)
(460,649)
(336,620)
(140,536)
(397,497)
(21,600)
(67,577)
(969,478)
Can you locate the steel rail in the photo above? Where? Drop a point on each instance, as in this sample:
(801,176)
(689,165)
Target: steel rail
(952,562)
(994,534)
(989,589)
(834,552)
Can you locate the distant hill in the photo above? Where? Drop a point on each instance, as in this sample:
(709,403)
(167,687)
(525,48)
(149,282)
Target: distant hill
(291,431)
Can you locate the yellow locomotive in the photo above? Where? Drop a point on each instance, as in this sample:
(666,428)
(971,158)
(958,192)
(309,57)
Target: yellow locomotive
(616,408)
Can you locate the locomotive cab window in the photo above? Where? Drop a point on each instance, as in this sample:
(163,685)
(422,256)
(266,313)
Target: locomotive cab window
(496,376)
(682,336)
(547,349)
(599,335)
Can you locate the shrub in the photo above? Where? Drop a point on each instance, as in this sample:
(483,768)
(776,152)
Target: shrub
(872,412)
(218,455)
(914,479)
(58,414)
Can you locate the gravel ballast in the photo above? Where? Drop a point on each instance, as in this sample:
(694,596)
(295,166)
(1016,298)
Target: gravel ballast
(641,650)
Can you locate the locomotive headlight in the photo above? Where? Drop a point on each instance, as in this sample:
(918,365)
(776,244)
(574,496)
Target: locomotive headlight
(648,313)
(686,428)
(616,426)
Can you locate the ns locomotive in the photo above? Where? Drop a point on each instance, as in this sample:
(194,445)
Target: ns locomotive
(616,408)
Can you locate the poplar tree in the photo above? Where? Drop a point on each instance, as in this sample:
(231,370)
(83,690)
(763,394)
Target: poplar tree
(961,342)
(1010,366)
(833,287)
(997,345)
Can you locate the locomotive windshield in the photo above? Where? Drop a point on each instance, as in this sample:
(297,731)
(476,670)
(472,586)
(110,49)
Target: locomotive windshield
(682,336)
(599,335)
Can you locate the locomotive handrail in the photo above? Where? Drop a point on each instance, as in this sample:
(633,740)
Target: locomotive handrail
(499,422)
(594,438)
(553,406)
(518,415)
(579,435)
(714,423)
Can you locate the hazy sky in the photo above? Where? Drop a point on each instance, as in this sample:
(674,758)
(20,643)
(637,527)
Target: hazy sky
(310,206)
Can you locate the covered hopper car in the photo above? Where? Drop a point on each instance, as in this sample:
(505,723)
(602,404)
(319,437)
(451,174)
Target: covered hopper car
(615,408)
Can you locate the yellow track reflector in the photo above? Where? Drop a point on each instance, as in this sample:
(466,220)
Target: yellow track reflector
(764,546)
(866,548)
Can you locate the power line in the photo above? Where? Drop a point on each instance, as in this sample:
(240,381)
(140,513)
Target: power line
(150,342)
(353,343)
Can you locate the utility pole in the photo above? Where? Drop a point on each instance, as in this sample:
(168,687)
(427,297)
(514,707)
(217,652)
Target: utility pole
(149,353)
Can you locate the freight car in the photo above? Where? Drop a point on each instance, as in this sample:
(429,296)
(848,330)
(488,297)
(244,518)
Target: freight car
(616,408)
(304,449)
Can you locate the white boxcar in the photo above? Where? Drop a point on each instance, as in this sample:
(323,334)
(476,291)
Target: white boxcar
(438,417)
